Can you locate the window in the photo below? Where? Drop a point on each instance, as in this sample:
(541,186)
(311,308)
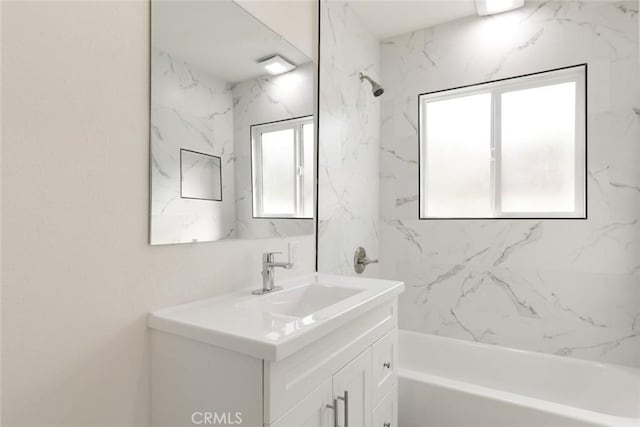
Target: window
(512,148)
(282,166)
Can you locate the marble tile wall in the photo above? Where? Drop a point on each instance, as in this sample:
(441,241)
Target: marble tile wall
(349,143)
(261,100)
(566,287)
(190,109)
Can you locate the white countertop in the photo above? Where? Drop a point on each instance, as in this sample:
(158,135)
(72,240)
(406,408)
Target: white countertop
(231,320)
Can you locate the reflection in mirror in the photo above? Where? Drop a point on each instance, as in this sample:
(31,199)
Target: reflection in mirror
(232,139)
(200,176)
(282,168)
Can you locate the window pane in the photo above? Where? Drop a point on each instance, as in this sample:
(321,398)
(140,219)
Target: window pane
(538,149)
(458,156)
(278,172)
(308,170)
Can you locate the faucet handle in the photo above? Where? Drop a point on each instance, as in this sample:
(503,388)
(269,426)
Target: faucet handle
(361,260)
(269,256)
(270,259)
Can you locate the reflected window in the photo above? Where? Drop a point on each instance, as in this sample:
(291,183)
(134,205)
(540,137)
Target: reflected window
(513,148)
(282,166)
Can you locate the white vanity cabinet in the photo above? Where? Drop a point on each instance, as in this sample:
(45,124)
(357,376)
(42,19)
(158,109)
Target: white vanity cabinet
(347,376)
(320,353)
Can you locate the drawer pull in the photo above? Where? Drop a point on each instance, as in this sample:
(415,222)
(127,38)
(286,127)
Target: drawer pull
(346,408)
(335,412)
(388,366)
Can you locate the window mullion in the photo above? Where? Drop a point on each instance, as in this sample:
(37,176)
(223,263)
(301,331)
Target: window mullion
(422,159)
(297,134)
(257,184)
(496,153)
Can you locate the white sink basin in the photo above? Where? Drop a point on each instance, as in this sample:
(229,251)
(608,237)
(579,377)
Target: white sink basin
(276,325)
(302,301)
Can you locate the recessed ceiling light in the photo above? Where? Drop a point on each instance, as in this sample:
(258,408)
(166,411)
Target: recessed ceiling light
(276,65)
(489,7)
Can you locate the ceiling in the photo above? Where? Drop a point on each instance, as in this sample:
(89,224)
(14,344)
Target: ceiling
(387,18)
(217,36)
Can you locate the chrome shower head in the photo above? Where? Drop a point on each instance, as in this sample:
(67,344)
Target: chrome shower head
(375,87)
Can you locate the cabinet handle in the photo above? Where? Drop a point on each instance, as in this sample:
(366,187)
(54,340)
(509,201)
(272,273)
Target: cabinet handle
(388,366)
(346,407)
(386,425)
(335,412)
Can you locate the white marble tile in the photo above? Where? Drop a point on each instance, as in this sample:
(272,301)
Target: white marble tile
(349,146)
(192,110)
(564,287)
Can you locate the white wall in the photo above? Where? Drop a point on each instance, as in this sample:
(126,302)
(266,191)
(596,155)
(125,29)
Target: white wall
(563,287)
(349,122)
(78,275)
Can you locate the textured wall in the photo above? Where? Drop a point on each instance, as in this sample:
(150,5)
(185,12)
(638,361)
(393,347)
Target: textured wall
(261,100)
(349,141)
(563,287)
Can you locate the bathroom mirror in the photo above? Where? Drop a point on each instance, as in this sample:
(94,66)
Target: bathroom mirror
(232,128)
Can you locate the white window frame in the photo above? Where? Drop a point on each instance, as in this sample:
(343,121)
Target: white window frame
(296,125)
(496,88)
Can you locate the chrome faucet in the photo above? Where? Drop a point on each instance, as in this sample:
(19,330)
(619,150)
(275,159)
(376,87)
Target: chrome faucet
(268,264)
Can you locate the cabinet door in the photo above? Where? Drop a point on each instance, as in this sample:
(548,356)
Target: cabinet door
(386,413)
(352,388)
(312,411)
(384,355)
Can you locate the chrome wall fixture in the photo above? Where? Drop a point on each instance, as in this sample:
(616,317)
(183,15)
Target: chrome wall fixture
(375,87)
(360,260)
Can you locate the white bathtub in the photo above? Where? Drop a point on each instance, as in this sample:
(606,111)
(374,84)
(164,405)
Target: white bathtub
(446,382)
